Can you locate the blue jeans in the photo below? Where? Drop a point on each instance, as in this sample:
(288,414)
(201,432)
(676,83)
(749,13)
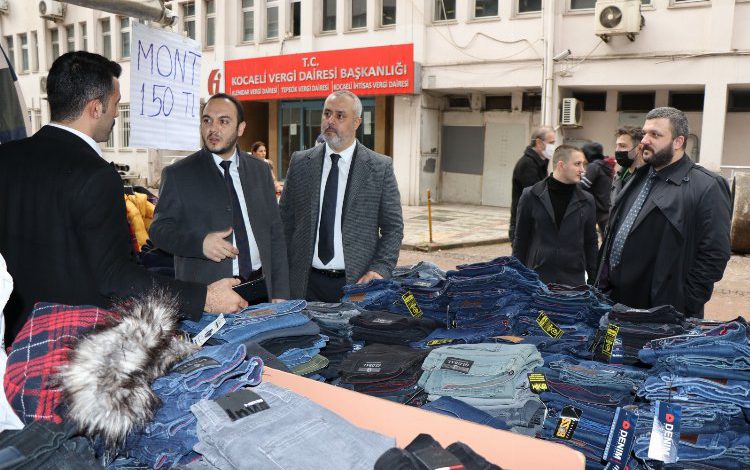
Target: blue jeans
(458,409)
(667,386)
(240,328)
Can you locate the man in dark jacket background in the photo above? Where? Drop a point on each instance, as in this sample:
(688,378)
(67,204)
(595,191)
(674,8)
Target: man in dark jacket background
(531,168)
(598,181)
(628,156)
(556,225)
(668,235)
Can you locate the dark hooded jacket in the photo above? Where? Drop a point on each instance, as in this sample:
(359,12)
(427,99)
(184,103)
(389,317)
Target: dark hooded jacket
(598,179)
(530,169)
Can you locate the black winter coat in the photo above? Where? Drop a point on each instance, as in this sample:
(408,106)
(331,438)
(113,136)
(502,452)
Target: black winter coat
(598,181)
(561,255)
(530,169)
(692,250)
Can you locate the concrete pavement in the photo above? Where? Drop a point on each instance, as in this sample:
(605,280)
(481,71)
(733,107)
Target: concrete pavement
(454,226)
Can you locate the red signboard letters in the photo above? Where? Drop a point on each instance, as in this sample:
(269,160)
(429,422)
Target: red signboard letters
(385,70)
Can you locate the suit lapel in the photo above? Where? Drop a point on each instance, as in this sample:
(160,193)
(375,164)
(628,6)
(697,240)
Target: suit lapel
(574,202)
(314,173)
(547,203)
(214,178)
(359,170)
(251,192)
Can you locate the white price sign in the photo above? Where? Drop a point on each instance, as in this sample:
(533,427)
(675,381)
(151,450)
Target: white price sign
(165,74)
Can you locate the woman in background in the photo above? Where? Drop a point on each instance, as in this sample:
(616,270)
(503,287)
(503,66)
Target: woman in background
(258,150)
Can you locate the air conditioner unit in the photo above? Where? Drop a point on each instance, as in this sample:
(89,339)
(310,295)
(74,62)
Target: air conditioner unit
(617,18)
(4,7)
(572,113)
(51,10)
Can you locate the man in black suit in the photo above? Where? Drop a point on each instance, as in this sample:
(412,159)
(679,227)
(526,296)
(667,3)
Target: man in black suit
(341,208)
(64,231)
(217,224)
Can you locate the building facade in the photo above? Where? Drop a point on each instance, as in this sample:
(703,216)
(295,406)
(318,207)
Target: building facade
(479,70)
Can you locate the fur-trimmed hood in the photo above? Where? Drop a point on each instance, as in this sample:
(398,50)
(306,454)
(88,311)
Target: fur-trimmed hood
(107,381)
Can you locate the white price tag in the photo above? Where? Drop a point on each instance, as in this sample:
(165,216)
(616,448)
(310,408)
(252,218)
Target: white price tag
(209,330)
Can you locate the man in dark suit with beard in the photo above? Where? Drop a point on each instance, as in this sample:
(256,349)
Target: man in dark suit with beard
(341,208)
(64,231)
(217,210)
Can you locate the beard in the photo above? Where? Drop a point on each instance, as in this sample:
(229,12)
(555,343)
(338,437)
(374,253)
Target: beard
(661,158)
(223,149)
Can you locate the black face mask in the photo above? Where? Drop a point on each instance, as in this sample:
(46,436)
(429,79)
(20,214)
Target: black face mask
(623,158)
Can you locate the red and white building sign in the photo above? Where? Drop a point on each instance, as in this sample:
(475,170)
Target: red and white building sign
(384,70)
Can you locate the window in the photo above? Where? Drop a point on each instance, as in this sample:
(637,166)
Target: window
(188,19)
(359,13)
(210,23)
(594,101)
(24,52)
(84,37)
(686,101)
(531,101)
(582,4)
(497,103)
(9,50)
(36,119)
(738,101)
(329,15)
(106,39)
(295,26)
(459,102)
(124,37)
(272,20)
(636,102)
(444,10)
(248,21)
(54,40)
(111,140)
(388,13)
(124,125)
(529,6)
(484,8)
(34,51)
(70,38)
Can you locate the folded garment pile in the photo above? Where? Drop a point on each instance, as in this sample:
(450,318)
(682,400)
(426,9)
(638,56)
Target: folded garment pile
(425,453)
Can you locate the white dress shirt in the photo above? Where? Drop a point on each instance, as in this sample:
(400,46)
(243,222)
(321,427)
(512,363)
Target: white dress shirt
(234,172)
(344,163)
(80,134)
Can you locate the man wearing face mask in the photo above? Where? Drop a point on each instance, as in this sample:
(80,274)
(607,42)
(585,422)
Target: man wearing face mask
(628,155)
(598,181)
(668,235)
(531,168)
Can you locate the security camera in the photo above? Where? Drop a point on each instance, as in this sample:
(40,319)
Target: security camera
(562,55)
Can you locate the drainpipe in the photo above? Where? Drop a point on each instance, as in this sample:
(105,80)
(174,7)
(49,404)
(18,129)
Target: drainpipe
(150,10)
(548,26)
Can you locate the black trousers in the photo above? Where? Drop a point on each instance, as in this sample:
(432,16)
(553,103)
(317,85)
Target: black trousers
(323,288)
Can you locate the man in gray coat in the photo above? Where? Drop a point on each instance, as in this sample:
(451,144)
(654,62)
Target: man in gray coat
(341,209)
(556,225)
(217,210)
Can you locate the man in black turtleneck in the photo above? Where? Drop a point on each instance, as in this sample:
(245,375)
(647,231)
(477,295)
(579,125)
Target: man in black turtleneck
(556,224)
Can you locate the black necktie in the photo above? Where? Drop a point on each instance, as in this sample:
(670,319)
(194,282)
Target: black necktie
(244,262)
(328,212)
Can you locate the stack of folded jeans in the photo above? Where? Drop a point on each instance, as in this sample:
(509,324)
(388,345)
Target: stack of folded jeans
(388,328)
(571,306)
(490,377)
(385,371)
(212,372)
(425,453)
(294,351)
(44,445)
(333,319)
(706,373)
(638,326)
(258,323)
(285,430)
(378,294)
(591,382)
(421,270)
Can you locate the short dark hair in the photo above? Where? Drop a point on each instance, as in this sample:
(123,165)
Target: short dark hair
(256,145)
(563,153)
(76,78)
(235,102)
(678,122)
(635,133)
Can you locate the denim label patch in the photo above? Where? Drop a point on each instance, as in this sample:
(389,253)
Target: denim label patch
(195,364)
(457,364)
(665,432)
(568,422)
(358,297)
(621,438)
(548,325)
(209,330)
(439,341)
(411,304)
(538,383)
(264,312)
(382,321)
(369,366)
(241,403)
